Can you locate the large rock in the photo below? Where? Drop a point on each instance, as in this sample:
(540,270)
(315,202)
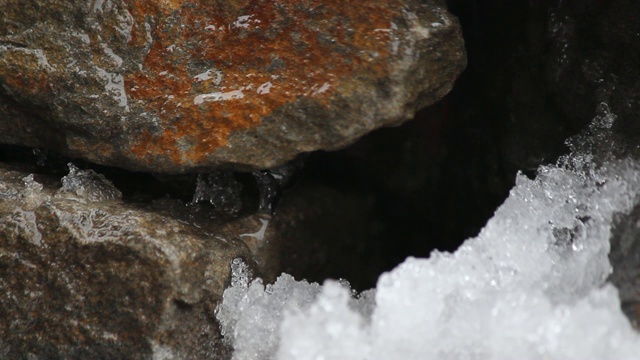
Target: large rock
(168,86)
(85,274)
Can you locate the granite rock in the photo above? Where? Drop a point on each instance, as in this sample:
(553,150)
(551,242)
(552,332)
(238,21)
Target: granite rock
(168,86)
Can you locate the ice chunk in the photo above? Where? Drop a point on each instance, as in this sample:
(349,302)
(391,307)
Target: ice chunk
(88,185)
(31,184)
(220,189)
(251,313)
(531,285)
(328,329)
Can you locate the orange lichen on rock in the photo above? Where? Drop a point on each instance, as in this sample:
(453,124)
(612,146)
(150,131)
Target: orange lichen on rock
(212,70)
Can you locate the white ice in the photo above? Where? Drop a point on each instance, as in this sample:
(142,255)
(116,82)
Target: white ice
(531,285)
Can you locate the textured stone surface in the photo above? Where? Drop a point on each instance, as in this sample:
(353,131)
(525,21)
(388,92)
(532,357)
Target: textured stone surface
(625,258)
(83,275)
(169,86)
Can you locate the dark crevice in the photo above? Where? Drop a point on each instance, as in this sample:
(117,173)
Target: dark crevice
(182,305)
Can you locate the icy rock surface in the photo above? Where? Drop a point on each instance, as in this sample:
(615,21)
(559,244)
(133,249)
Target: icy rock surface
(531,285)
(220,189)
(88,185)
(85,277)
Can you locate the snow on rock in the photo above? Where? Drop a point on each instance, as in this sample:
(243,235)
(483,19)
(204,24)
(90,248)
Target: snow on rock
(531,285)
(88,185)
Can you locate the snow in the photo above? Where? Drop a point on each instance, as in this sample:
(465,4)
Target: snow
(531,285)
(256,332)
(265,88)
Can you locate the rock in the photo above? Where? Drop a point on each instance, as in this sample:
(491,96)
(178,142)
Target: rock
(83,275)
(165,86)
(324,233)
(86,274)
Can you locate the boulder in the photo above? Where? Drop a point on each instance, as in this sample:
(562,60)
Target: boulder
(168,86)
(86,274)
(83,275)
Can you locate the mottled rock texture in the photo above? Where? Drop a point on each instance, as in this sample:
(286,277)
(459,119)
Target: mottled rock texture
(86,274)
(172,86)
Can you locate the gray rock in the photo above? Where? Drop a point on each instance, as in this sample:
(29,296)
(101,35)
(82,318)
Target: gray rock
(167,86)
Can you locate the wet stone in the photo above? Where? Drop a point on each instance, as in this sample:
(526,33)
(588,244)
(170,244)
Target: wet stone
(83,276)
(167,86)
(87,274)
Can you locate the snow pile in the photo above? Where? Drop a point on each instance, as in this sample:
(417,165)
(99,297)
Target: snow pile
(532,285)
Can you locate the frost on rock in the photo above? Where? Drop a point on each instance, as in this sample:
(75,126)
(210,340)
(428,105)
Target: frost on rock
(221,190)
(531,285)
(32,195)
(88,185)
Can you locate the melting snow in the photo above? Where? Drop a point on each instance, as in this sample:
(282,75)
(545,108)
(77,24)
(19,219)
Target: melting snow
(88,185)
(531,285)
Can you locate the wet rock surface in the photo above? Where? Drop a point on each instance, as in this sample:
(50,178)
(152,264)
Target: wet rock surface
(167,86)
(537,74)
(86,274)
